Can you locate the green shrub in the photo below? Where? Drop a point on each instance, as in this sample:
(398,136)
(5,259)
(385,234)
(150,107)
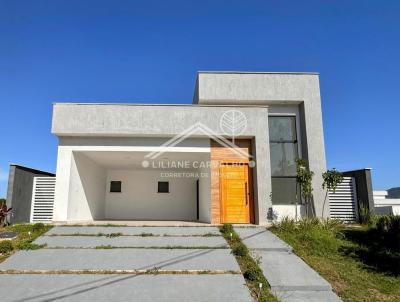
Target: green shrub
(316,235)
(387,229)
(21,228)
(28,245)
(240,250)
(226,228)
(333,225)
(229,234)
(6,246)
(38,227)
(366,217)
(308,224)
(388,223)
(286,224)
(252,272)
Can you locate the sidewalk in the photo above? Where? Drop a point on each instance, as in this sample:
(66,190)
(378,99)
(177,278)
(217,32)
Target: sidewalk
(291,279)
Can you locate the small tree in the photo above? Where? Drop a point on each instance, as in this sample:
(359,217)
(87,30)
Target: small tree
(304,179)
(332,178)
(4,212)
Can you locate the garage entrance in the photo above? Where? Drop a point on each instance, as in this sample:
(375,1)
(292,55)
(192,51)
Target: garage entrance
(116,185)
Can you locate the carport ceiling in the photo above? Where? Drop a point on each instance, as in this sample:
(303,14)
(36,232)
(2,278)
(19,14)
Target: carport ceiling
(133,159)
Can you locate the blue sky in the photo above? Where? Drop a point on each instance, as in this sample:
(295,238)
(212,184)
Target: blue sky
(149,52)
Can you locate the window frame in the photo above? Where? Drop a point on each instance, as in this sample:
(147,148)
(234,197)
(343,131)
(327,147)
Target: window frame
(295,141)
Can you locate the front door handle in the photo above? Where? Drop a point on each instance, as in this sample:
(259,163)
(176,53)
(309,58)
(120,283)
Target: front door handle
(246,192)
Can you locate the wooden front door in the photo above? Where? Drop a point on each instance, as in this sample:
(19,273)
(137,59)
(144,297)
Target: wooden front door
(235,193)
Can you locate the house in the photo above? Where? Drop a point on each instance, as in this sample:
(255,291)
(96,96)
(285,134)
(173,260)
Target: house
(387,202)
(228,157)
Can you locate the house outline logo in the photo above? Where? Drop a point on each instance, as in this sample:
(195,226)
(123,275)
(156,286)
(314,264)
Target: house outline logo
(198,129)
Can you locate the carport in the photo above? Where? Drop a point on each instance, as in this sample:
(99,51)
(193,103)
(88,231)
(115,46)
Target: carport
(125,185)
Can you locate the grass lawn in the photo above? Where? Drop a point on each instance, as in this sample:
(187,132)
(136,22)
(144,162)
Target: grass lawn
(24,240)
(353,259)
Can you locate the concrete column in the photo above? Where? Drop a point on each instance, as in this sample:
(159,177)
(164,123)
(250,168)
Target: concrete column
(64,158)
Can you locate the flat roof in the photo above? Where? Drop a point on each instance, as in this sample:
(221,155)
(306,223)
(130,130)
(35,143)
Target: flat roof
(32,170)
(164,105)
(262,72)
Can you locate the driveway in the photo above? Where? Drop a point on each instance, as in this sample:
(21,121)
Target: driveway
(85,263)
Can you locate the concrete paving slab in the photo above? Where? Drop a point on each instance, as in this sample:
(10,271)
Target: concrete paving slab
(160,231)
(261,238)
(287,272)
(122,259)
(137,223)
(130,241)
(307,296)
(144,288)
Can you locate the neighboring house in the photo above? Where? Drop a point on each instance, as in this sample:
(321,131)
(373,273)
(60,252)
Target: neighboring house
(384,205)
(394,192)
(19,192)
(108,167)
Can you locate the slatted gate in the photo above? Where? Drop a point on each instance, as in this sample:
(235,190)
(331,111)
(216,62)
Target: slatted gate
(343,202)
(43,199)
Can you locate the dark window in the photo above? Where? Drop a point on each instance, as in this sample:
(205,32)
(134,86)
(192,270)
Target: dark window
(284,151)
(163,187)
(115,187)
(283,190)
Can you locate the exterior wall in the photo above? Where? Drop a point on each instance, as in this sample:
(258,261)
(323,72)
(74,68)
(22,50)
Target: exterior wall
(379,195)
(88,120)
(139,198)
(365,195)
(92,127)
(275,89)
(86,189)
(80,187)
(282,211)
(205,195)
(19,191)
(63,172)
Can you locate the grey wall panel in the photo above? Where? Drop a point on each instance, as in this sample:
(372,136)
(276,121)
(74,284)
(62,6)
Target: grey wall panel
(19,192)
(365,195)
